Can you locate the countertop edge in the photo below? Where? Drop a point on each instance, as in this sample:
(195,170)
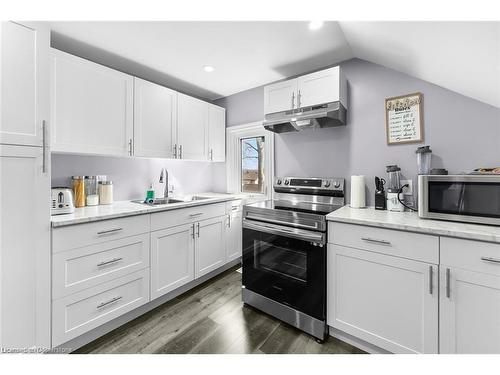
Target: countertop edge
(142,211)
(463,233)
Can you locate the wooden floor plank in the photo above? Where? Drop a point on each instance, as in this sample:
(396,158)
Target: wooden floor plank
(211,319)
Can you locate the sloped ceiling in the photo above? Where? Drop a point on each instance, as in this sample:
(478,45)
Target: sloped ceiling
(459,56)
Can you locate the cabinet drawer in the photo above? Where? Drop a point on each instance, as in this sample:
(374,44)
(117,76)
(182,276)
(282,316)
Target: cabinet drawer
(471,255)
(167,219)
(82,268)
(232,206)
(79,235)
(408,245)
(83,311)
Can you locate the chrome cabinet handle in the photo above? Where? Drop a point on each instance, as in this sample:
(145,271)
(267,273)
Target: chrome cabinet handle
(298,99)
(381,242)
(180,151)
(198,224)
(109,231)
(211,157)
(192,234)
(107,262)
(490,259)
(44,146)
(448,280)
(175,151)
(234,208)
(293,100)
(229,221)
(431,279)
(130,146)
(196,214)
(114,299)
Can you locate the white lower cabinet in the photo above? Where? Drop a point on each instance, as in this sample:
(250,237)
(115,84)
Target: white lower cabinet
(210,249)
(80,312)
(385,300)
(172,259)
(234,235)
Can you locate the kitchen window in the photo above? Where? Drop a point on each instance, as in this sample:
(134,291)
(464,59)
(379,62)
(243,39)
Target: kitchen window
(252,165)
(249,166)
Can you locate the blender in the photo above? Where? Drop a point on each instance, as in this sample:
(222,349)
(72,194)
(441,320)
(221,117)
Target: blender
(424,155)
(393,188)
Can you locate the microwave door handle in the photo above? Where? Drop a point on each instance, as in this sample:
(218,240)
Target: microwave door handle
(286,232)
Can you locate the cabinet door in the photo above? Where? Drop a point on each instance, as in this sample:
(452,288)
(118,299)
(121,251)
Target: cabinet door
(280,96)
(216,133)
(210,249)
(388,301)
(91,107)
(24,248)
(319,87)
(24,82)
(172,259)
(155,117)
(469,312)
(234,235)
(192,128)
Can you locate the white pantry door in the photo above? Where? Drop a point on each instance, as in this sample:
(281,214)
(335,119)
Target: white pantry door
(24,248)
(24,82)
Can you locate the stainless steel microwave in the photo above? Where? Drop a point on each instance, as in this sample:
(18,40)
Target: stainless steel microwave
(467,198)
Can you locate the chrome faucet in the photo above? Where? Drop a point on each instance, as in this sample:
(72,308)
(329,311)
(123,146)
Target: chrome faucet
(164,179)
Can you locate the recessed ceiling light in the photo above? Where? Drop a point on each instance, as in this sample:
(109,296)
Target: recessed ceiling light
(208,68)
(315,25)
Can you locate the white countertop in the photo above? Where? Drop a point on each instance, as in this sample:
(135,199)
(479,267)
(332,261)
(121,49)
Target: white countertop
(128,208)
(409,221)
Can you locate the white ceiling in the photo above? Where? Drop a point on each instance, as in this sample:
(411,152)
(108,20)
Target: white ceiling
(460,56)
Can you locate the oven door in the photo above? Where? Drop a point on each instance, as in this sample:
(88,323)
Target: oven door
(287,265)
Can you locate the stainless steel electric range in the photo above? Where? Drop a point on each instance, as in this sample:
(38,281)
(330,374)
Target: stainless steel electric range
(284,251)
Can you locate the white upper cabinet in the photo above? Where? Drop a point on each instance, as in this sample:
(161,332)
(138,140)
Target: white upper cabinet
(155,119)
(24,81)
(192,128)
(216,133)
(325,86)
(91,107)
(319,87)
(280,96)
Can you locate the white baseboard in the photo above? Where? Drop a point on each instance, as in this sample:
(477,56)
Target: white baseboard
(358,343)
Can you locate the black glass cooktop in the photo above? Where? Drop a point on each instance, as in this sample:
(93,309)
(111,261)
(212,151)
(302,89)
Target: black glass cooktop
(303,207)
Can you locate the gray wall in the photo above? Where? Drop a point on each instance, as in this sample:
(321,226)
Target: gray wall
(132,176)
(462,132)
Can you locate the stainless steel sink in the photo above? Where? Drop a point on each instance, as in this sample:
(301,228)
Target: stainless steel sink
(158,201)
(162,201)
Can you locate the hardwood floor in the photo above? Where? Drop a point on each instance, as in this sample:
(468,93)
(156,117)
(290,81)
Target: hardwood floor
(211,319)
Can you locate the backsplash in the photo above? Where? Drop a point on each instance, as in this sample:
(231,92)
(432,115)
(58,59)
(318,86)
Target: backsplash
(132,176)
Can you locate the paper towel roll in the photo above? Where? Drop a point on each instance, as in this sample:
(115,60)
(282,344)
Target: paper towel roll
(358,199)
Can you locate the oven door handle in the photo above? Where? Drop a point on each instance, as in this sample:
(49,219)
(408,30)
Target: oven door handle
(300,234)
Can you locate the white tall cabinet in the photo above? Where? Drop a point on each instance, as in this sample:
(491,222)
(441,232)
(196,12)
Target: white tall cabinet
(91,107)
(24,187)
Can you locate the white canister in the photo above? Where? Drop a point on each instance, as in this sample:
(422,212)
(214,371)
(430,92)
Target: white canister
(358,196)
(105,192)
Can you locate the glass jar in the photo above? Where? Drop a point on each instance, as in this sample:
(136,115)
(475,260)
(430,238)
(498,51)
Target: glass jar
(91,191)
(78,183)
(105,192)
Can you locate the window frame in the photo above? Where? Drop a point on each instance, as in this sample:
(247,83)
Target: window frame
(234,135)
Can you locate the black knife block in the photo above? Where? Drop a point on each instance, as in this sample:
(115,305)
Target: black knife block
(380,201)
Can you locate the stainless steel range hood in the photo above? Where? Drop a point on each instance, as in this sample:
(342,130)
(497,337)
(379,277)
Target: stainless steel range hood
(319,116)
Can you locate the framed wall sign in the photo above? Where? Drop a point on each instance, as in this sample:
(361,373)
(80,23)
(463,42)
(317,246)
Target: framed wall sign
(403,119)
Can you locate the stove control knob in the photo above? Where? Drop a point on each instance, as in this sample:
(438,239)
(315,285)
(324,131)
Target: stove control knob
(336,184)
(287,182)
(327,183)
(278,182)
